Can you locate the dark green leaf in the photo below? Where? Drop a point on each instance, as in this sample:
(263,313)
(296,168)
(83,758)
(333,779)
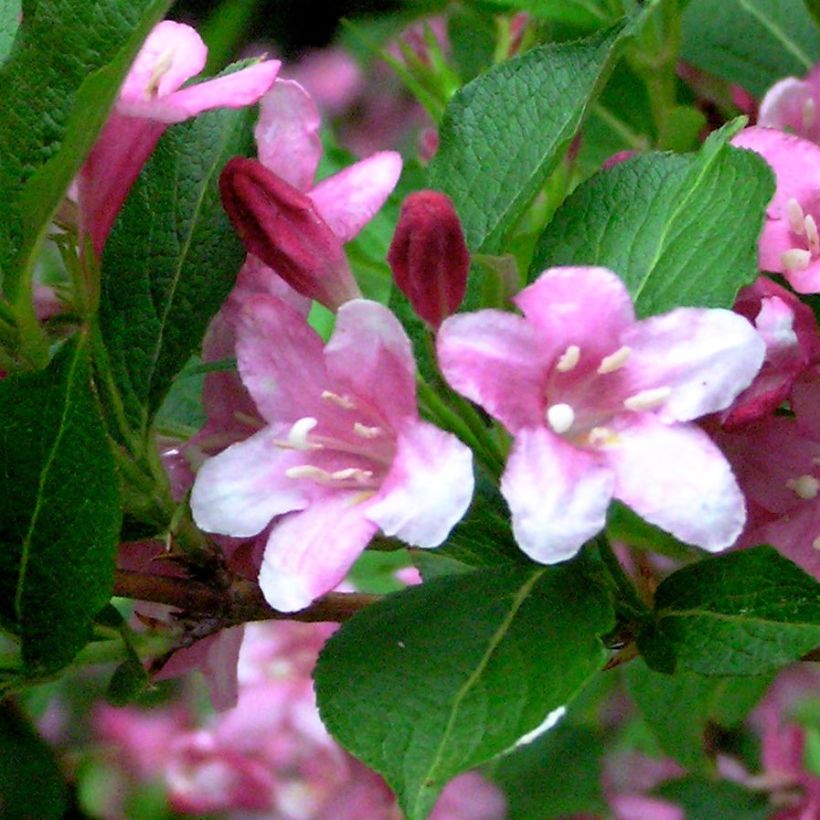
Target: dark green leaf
(704,799)
(678,708)
(752,43)
(439,678)
(31,786)
(127,682)
(746,613)
(503,133)
(557,775)
(679,230)
(59,508)
(171,259)
(68,63)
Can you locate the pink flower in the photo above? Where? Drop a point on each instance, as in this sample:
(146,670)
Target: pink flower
(150,99)
(343,453)
(790,243)
(792,105)
(598,401)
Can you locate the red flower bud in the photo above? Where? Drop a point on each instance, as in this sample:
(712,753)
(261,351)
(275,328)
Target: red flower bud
(280,224)
(429,257)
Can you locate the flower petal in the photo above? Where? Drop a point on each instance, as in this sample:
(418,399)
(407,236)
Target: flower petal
(287,134)
(675,477)
(496,359)
(583,306)
(371,355)
(428,488)
(706,357)
(280,360)
(347,201)
(240,490)
(310,552)
(558,495)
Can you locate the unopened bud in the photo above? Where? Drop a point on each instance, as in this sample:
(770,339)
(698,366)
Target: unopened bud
(429,257)
(280,225)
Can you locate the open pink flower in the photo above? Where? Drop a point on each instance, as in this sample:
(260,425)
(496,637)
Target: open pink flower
(343,453)
(597,403)
(792,104)
(790,243)
(150,99)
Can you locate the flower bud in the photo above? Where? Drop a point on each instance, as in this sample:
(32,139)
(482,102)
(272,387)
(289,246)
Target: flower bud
(280,225)
(429,257)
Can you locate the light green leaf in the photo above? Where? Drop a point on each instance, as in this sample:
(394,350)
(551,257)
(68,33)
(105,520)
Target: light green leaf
(439,678)
(752,43)
(59,508)
(171,259)
(10,12)
(678,229)
(503,133)
(746,613)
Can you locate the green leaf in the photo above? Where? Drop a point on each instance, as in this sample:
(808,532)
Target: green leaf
(679,230)
(439,678)
(58,85)
(678,708)
(704,799)
(557,775)
(746,613)
(752,43)
(59,508)
(171,259)
(9,23)
(503,133)
(31,786)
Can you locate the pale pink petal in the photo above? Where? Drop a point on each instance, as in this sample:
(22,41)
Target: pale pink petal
(706,358)
(280,359)
(347,201)
(796,535)
(676,478)
(240,490)
(558,495)
(310,552)
(287,134)
(496,359)
(640,807)
(237,90)
(171,54)
(256,277)
(428,488)
(784,107)
(370,354)
(470,797)
(583,306)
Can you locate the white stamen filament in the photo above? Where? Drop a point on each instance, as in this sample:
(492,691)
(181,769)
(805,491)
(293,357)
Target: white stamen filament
(298,435)
(352,472)
(367,432)
(163,63)
(809,112)
(804,486)
(308,471)
(615,361)
(795,259)
(811,235)
(569,359)
(796,217)
(324,477)
(560,418)
(648,399)
(816,543)
(345,402)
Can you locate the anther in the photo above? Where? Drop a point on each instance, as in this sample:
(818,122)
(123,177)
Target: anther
(345,402)
(308,471)
(569,359)
(355,473)
(298,434)
(812,238)
(560,418)
(795,259)
(615,361)
(599,436)
(796,217)
(367,432)
(804,486)
(809,112)
(816,543)
(163,63)
(648,399)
